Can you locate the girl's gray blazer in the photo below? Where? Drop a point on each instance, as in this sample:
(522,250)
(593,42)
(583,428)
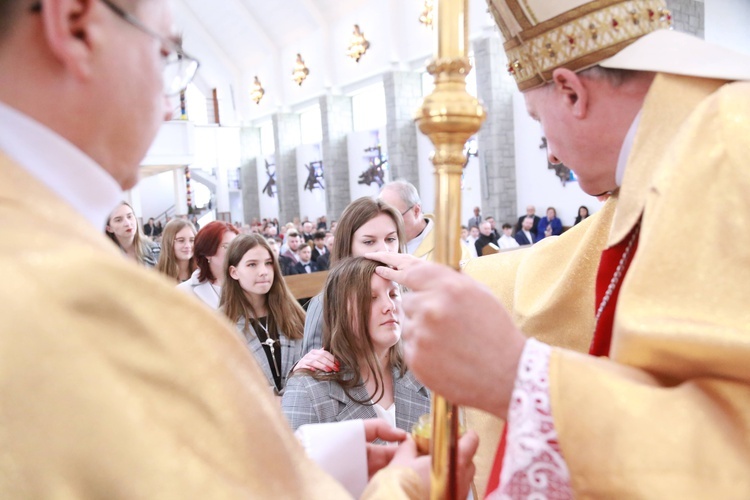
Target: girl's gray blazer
(291,352)
(310,401)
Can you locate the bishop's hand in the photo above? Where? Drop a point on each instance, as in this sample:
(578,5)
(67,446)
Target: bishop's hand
(482,353)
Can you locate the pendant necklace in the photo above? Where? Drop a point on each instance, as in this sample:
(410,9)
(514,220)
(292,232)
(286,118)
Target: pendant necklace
(269,342)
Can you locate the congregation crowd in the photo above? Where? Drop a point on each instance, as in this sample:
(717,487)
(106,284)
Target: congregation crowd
(240,271)
(481,234)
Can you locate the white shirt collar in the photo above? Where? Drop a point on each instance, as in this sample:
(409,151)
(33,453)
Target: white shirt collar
(627,145)
(60,165)
(412,246)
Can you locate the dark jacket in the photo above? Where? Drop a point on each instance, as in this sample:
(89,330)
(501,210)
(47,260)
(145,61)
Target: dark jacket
(299,268)
(523,240)
(483,241)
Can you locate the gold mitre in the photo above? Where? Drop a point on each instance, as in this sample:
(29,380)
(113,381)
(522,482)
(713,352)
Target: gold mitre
(542,35)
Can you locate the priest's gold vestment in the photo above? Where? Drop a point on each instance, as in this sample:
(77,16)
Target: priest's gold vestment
(115,385)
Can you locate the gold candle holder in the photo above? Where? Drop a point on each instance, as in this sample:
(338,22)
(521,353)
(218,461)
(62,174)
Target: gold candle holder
(449,117)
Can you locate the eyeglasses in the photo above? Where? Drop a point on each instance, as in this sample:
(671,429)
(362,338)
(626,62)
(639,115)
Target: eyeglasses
(179,67)
(404,212)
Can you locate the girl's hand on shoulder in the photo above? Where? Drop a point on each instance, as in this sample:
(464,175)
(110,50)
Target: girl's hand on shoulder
(318,360)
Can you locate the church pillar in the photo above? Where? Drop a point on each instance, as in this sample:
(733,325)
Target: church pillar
(223,210)
(496,141)
(180,193)
(286,132)
(336,121)
(403,95)
(133,196)
(249,153)
(688,16)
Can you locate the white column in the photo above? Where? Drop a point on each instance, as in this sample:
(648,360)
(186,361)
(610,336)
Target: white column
(223,208)
(180,193)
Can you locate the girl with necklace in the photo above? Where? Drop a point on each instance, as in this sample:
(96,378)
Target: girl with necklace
(256,298)
(211,244)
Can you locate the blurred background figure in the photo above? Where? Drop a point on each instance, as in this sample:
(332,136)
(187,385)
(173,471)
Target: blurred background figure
(549,225)
(177,244)
(122,228)
(507,241)
(526,235)
(530,212)
(583,213)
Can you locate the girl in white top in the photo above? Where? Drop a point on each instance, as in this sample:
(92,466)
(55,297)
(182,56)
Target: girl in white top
(211,244)
(362,330)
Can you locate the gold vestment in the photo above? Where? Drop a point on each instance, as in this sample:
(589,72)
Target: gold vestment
(669,416)
(426,249)
(113,384)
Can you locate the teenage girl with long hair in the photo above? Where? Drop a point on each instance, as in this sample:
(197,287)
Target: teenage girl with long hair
(123,229)
(177,244)
(362,330)
(366,225)
(256,298)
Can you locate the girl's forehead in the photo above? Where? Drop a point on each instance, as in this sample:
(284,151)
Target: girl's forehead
(378,282)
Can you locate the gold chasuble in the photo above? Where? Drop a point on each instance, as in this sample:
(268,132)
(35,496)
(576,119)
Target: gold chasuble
(115,385)
(426,247)
(549,290)
(679,426)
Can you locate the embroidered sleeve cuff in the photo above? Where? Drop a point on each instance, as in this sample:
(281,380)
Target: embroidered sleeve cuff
(533,465)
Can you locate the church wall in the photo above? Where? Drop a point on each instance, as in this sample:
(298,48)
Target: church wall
(727,23)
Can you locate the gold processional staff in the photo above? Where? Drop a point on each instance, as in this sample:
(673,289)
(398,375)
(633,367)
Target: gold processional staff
(449,117)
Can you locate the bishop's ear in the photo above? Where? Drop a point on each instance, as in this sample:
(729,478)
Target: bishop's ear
(571,88)
(68,27)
